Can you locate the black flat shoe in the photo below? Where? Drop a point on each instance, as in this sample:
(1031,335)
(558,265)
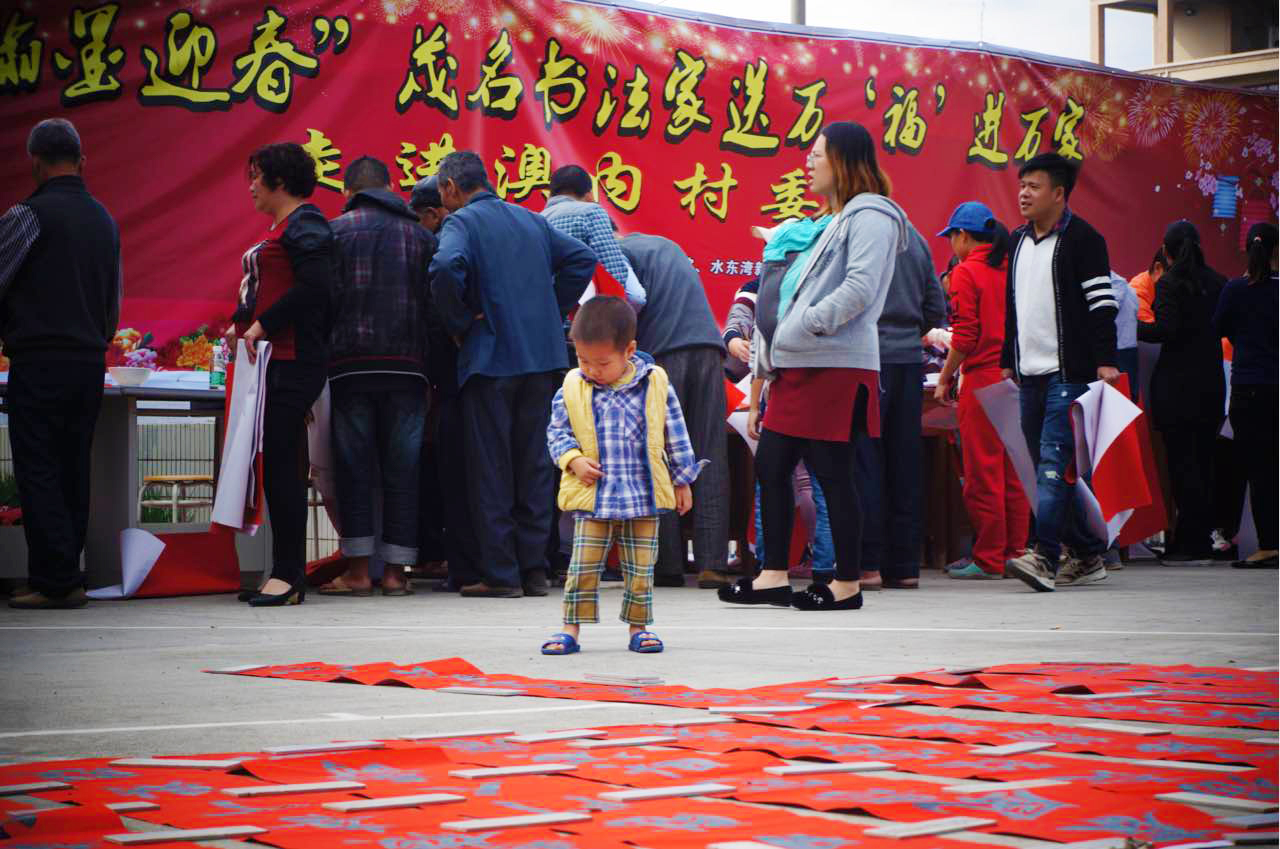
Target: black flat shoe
(245,595)
(296,594)
(740,592)
(819,597)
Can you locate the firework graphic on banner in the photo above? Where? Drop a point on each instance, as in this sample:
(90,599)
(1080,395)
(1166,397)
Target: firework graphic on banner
(600,31)
(1212,121)
(1104,130)
(1153,112)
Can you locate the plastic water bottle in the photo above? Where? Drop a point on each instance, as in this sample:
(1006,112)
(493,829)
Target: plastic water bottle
(218,371)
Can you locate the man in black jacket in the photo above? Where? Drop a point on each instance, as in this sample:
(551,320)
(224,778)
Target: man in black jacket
(1060,336)
(60,289)
(379,315)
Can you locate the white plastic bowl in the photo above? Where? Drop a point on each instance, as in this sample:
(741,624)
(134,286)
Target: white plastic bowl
(129,376)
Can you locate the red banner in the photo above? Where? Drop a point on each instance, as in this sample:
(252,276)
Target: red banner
(694,129)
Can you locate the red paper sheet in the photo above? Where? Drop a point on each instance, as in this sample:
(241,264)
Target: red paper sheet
(1216,676)
(891,722)
(1133,709)
(1207,694)
(1064,814)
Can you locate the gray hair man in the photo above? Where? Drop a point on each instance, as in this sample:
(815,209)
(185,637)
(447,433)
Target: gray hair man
(60,290)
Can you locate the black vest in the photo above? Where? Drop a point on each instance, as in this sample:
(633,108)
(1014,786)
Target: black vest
(64,302)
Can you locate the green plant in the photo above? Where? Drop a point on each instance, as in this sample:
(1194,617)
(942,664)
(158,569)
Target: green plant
(9,491)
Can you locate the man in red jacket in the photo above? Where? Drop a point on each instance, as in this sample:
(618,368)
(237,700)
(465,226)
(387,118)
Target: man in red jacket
(993,496)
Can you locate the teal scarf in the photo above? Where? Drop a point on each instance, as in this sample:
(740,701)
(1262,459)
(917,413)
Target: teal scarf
(798,234)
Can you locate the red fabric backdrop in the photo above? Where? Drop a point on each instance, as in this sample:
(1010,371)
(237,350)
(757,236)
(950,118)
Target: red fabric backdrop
(696,129)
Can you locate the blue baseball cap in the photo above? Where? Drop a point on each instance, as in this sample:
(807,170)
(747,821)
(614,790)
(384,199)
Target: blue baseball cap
(972,216)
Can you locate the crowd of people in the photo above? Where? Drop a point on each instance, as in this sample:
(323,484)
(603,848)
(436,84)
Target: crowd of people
(485,412)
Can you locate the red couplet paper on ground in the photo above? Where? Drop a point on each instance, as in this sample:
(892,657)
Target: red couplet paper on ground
(1064,814)
(1221,676)
(891,722)
(396,772)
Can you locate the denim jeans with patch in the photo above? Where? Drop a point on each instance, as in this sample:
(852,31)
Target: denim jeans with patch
(378,433)
(1046,423)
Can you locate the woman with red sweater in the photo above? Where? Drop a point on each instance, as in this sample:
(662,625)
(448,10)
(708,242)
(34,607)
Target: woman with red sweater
(993,496)
(282,300)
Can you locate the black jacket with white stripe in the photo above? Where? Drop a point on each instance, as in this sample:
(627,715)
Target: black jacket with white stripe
(1086,305)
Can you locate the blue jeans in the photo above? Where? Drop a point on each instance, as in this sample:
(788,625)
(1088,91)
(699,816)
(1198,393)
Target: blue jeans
(383,431)
(822,551)
(1046,423)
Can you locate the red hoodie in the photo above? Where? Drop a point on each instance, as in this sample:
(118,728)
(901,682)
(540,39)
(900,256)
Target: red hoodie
(977,300)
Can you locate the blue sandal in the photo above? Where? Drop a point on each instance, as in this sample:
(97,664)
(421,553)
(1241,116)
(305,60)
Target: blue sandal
(560,644)
(638,640)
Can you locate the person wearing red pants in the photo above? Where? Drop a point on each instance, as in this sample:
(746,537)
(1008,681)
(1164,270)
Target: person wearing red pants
(998,509)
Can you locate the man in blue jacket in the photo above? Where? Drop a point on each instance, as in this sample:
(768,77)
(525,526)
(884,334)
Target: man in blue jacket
(503,279)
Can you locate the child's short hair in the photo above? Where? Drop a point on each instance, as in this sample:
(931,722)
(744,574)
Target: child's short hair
(605,318)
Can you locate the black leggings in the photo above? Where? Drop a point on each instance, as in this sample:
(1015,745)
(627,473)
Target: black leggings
(292,388)
(832,463)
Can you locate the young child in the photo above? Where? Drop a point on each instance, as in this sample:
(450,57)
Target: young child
(619,437)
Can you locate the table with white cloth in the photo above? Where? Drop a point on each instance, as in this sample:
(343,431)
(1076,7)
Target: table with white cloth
(114,472)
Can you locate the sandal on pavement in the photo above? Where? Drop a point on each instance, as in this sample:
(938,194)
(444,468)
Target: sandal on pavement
(741,592)
(901,584)
(820,597)
(640,638)
(560,644)
(402,590)
(340,587)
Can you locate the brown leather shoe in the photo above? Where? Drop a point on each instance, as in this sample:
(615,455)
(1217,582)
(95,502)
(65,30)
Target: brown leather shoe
(483,590)
(710,579)
(39,601)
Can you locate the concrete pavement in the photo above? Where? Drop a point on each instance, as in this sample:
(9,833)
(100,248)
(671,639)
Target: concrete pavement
(124,678)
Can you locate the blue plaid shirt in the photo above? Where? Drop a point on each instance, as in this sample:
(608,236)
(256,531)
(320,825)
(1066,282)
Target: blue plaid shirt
(626,490)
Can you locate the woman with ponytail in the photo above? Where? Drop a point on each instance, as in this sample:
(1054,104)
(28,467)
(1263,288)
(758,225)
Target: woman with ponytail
(818,349)
(993,496)
(1248,315)
(1188,390)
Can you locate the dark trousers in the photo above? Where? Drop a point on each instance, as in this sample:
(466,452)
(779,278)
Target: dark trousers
(1230,478)
(511,476)
(889,476)
(383,430)
(292,388)
(53,408)
(697,376)
(832,463)
(1254,412)
(453,482)
(1190,451)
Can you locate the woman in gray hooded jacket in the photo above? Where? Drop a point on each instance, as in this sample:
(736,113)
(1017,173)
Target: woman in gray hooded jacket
(818,348)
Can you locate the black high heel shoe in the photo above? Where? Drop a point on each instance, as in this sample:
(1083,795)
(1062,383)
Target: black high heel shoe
(296,594)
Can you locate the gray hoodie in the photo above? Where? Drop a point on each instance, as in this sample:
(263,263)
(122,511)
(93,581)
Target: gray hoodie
(831,321)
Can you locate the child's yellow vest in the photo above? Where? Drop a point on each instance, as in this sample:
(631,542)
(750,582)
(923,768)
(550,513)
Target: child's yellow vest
(576,495)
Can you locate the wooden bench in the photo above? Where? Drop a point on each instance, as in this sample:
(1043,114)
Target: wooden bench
(178,496)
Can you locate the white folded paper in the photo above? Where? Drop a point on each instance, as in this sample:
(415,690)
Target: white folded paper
(139,551)
(242,442)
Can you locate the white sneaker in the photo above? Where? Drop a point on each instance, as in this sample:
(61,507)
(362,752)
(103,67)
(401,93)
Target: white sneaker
(1077,573)
(1033,569)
